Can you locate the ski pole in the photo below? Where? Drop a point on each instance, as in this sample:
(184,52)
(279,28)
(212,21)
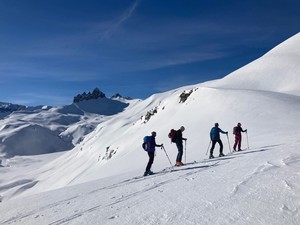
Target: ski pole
(208,147)
(228,143)
(167,155)
(247,140)
(185,152)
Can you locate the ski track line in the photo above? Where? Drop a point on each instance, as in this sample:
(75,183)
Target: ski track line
(116,185)
(32,212)
(160,173)
(129,196)
(127,181)
(119,200)
(142,178)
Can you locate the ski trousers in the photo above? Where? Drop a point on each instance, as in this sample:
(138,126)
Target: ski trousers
(237,141)
(213,146)
(180,151)
(150,162)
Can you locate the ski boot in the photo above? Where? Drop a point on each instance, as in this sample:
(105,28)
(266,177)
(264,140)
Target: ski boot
(178,164)
(150,172)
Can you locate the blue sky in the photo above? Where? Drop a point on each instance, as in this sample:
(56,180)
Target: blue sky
(52,50)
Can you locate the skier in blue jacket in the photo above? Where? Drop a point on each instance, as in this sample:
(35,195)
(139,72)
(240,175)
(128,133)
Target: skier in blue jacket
(215,137)
(151,144)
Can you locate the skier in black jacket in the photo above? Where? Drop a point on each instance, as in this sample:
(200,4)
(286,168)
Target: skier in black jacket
(179,145)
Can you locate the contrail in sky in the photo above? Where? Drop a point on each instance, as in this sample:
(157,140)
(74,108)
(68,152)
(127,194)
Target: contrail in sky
(123,18)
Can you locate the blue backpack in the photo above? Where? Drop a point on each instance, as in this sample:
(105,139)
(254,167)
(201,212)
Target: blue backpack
(146,143)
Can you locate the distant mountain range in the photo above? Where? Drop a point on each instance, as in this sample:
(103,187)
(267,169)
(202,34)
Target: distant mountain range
(96,94)
(45,129)
(9,107)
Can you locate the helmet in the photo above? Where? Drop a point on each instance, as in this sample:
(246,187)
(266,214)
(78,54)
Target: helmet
(182,128)
(153,133)
(216,124)
(239,124)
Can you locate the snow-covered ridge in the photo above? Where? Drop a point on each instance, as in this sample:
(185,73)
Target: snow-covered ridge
(277,71)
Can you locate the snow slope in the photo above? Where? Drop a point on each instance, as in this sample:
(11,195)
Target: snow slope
(99,182)
(278,71)
(258,187)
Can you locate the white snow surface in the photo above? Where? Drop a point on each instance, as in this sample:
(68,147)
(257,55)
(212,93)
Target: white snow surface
(100,180)
(277,71)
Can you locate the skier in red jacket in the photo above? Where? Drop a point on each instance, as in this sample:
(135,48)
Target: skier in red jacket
(238,136)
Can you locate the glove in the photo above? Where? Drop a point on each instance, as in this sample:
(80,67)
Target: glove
(227,132)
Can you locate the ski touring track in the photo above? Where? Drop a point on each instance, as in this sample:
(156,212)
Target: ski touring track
(131,191)
(133,181)
(151,183)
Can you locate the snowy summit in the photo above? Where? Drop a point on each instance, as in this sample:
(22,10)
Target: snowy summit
(99,180)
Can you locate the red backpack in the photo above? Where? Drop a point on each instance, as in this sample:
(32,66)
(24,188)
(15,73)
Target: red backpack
(235,130)
(173,135)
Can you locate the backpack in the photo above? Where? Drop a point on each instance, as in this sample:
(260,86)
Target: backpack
(173,135)
(146,143)
(235,130)
(215,133)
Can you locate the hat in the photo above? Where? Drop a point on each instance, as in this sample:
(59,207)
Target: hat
(182,128)
(153,133)
(216,124)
